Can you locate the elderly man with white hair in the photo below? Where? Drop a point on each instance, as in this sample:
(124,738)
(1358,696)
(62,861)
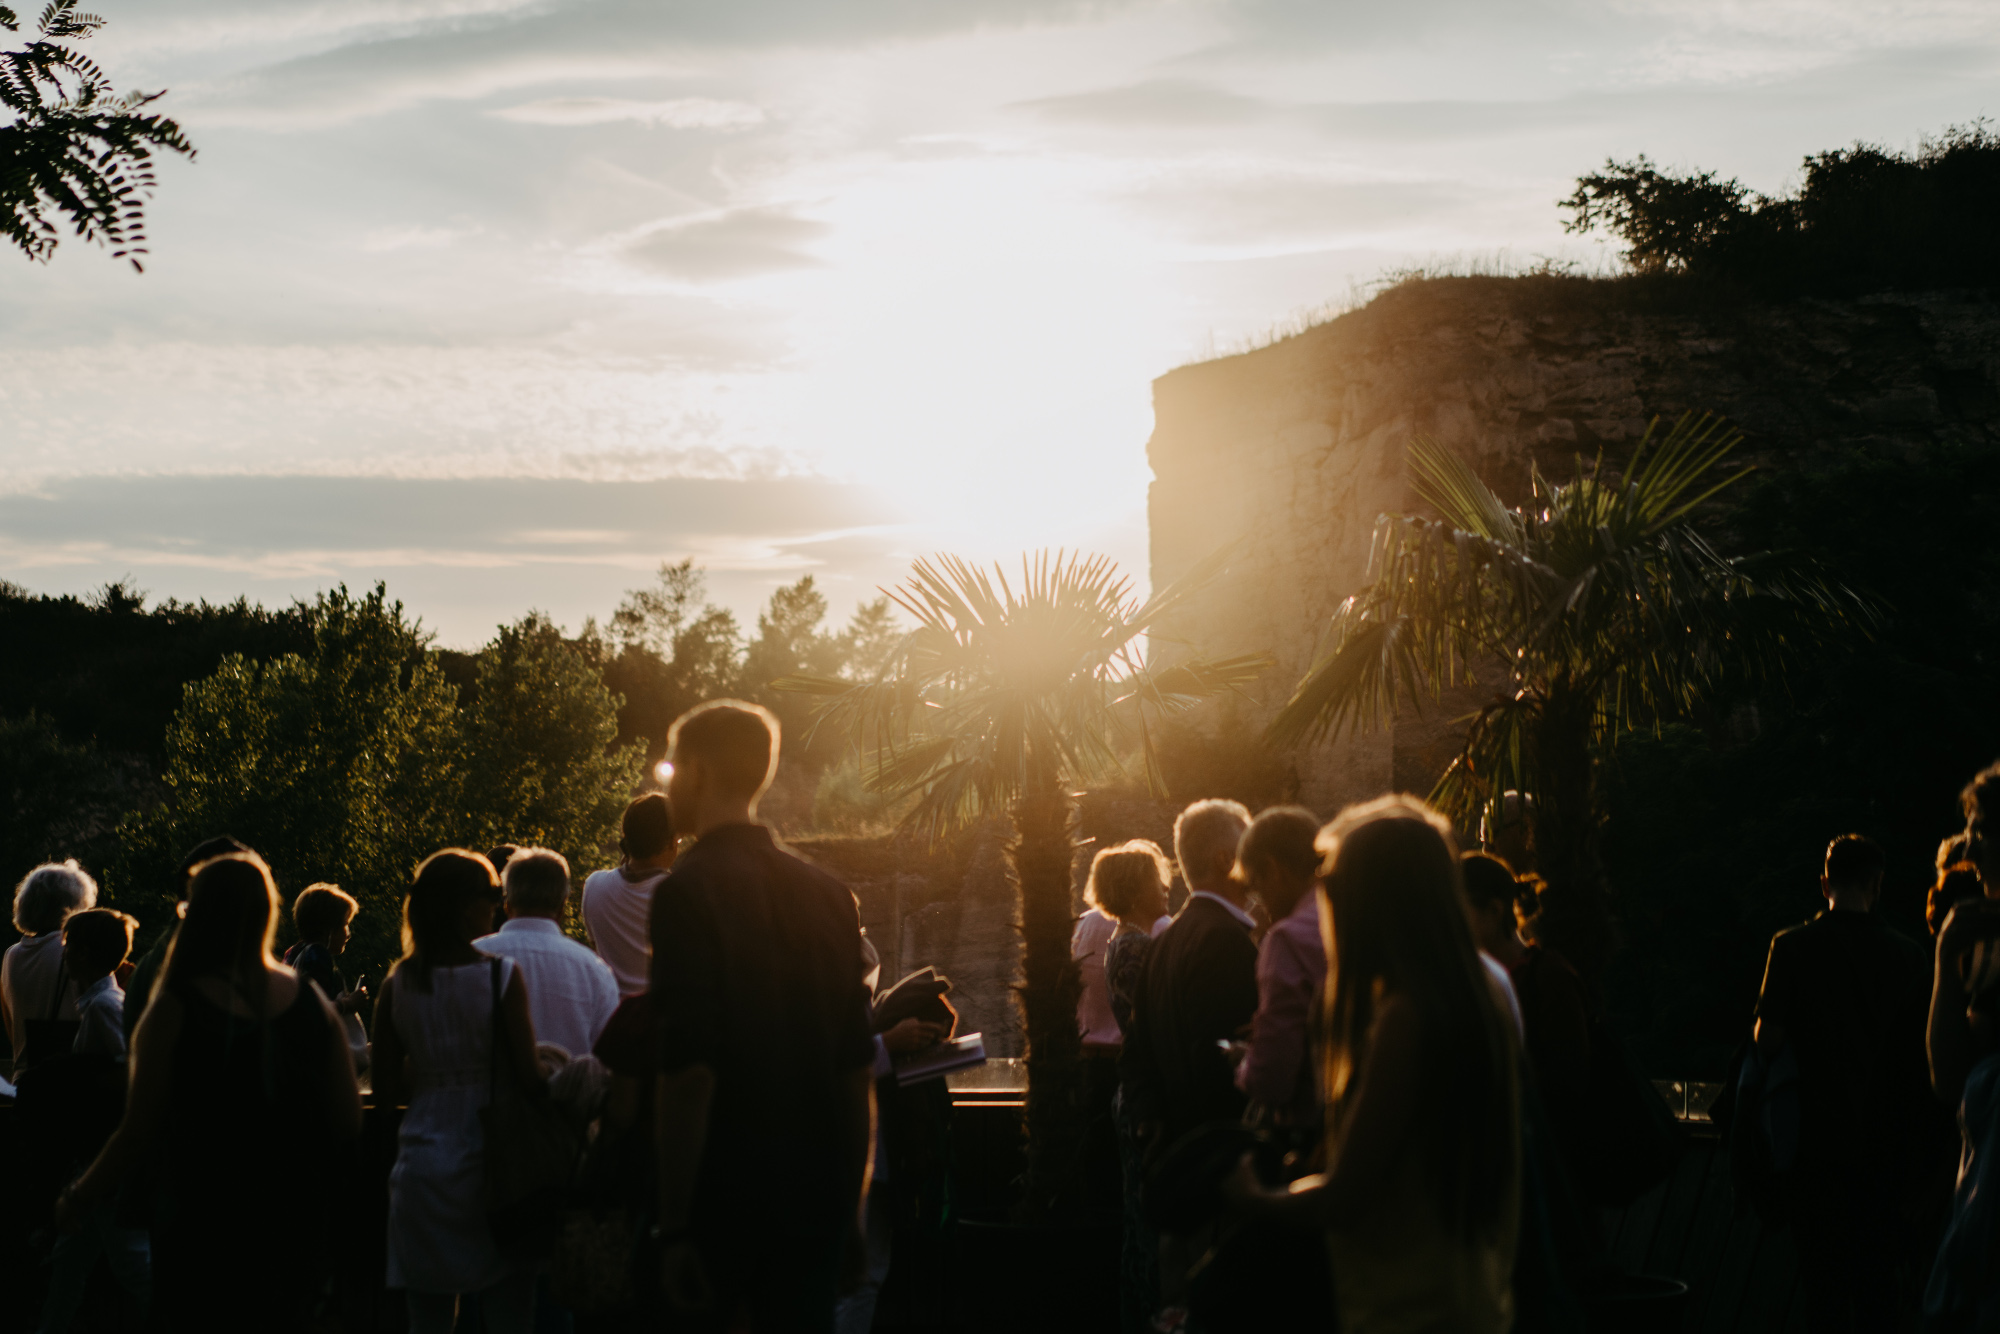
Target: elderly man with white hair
(33,984)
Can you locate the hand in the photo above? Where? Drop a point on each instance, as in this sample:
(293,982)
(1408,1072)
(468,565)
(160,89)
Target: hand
(684,1278)
(1234,1051)
(912,1035)
(347,1002)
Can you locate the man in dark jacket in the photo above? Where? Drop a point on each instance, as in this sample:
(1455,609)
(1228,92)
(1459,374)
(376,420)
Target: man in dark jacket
(764,1096)
(1849,996)
(1200,988)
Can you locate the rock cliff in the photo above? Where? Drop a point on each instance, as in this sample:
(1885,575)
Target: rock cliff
(1294,450)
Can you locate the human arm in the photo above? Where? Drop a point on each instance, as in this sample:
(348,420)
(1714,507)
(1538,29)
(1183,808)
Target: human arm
(387,1057)
(517,1028)
(1286,984)
(1948,1037)
(680,1127)
(1768,1032)
(1376,1135)
(149,1071)
(343,1092)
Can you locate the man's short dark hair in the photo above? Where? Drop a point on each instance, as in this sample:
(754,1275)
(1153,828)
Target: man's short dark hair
(536,879)
(320,910)
(1854,860)
(1284,835)
(736,744)
(103,936)
(648,827)
(1489,881)
(499,854)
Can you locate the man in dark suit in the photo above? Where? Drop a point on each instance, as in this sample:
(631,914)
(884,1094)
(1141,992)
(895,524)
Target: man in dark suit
(1848,995)
(1200,988)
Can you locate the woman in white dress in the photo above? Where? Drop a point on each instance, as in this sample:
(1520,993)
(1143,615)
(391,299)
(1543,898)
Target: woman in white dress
(434,1052)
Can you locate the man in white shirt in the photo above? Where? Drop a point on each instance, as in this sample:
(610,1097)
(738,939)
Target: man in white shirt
(618,904)
(571,993)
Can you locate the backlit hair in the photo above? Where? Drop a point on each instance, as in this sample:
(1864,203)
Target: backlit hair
(1120,876)
(101,935)
(1285,835)
(322,909)
(536,879)
(434,908)
(49,894)
(647,829)
(1853,860)
(1204,832)
(1397,926)
(231,916)
(1955,884)
(735,743)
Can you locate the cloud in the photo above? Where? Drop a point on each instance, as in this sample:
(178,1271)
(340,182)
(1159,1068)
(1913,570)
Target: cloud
(740,243)
(681,113)
(1247,208)
(1157,102)
(381,240)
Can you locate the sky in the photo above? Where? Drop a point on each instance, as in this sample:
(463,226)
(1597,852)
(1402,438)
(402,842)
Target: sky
(505,302)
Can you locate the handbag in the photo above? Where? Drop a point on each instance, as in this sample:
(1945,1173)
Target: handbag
(48,1036)
(531,1157)
(71,1101)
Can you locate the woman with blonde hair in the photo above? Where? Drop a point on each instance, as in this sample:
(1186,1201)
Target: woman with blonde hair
(240,1087)
(1421,1197)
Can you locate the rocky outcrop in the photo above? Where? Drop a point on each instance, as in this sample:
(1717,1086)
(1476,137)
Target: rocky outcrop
(1293,451)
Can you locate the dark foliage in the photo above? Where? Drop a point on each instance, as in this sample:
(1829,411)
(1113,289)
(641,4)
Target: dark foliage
(1717,832)
(75,149)
(1864,219)
(108,672)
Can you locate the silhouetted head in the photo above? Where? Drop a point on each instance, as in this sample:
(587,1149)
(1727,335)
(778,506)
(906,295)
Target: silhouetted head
(96,941)
(206,850)
(1130,882)
(1396,926)
(1205,839)
(323,911)
(1492,897)
(232,914)
(536,883)
(1853,867)
(450,902)
(724,752)
(1278,858)
(1507,829)
(48,894)
(500,854)
(647,829)
(1955,885)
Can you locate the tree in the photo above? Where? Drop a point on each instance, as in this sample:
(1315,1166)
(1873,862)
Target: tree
(340,764)
(1597,610)
(1667,221)
(1003,702)
(674,649)
(75,149)
(539,761)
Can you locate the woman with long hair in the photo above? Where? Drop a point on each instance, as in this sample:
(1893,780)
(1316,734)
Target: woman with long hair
(1421,1197)
(241,1087)
(435,1050)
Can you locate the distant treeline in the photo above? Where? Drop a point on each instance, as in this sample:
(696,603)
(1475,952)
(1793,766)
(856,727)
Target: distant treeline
(333,736)
(1863,219)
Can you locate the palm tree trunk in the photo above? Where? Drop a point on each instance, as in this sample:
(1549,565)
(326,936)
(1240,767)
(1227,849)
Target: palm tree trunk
(1576,905)
(1050,987)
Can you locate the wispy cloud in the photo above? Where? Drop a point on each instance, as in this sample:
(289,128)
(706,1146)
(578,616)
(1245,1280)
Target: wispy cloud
(739,243)
(680,113)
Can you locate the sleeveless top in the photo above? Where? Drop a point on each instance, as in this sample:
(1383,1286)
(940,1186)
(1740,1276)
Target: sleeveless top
(245,1129)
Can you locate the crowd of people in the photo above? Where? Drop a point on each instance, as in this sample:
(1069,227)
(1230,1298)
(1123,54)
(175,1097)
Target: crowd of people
(1355,1082)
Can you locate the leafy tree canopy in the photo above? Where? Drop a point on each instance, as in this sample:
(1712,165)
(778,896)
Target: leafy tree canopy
(1863,219)
(74,149)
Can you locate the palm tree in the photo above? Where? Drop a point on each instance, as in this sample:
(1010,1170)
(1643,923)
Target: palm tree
(1004,701)
(1596,610)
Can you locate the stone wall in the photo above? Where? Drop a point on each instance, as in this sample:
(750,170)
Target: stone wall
(1294,450)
